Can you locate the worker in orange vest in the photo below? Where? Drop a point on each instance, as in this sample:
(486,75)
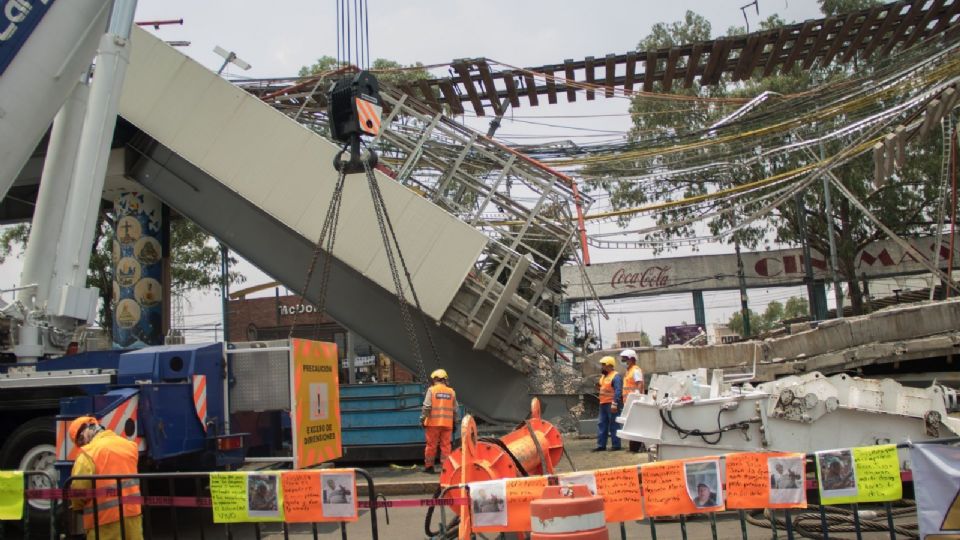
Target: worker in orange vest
(632,383)
(103,452)
(438,416)
(611,401)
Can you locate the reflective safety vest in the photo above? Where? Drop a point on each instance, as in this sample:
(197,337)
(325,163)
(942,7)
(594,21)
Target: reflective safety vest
(112,455)
(629,385)
(442,403)
(606,387)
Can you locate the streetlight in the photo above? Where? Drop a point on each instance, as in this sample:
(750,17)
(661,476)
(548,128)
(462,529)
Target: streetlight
(230,57)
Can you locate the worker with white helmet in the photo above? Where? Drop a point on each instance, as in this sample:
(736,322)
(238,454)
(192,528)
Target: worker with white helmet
(611,400)
(438,416)
(632,383)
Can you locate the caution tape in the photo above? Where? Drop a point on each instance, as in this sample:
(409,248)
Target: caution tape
(206,502)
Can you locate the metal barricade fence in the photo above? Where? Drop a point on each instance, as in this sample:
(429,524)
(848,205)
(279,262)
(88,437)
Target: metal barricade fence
(895,520)
(26,520)
(169,484)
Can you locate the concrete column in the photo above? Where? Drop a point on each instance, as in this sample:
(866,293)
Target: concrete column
(138,290)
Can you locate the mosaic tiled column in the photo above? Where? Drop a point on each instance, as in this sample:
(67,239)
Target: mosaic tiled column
(138,271)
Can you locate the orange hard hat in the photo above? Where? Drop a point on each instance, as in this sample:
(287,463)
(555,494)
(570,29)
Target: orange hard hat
(78,424)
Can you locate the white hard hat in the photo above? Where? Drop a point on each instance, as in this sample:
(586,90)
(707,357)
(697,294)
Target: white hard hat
(628,353)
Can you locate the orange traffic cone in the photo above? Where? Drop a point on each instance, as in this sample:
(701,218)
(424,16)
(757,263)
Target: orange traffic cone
(568,512)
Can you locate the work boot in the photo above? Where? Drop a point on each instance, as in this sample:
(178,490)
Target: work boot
(599,449)
(429,470)
(615,449)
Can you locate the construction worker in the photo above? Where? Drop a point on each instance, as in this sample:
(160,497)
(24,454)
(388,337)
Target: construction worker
(438,416)
(103,452)
(611,400)
(632,383)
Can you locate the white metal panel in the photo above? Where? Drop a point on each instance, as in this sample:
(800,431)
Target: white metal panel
(176,106)
(140,94)
(237,142)
(198,134)
(282,145)
(287,172)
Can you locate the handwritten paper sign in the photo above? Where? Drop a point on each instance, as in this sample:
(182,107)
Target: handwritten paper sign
(246,496)
(765,480)
(867,474)
(620,489)
(665,489)
(11,495)
(228,491)
(317,496)
(302,496)
(520,493)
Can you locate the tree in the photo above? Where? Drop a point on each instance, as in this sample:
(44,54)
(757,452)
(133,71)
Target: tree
(661,126)
(772,317)
(387,71)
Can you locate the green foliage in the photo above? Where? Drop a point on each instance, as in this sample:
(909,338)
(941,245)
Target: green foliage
(387,71)
(906,203)
(772,317)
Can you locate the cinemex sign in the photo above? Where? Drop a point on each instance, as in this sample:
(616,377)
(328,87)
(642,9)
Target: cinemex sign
(18,19)
(760,269)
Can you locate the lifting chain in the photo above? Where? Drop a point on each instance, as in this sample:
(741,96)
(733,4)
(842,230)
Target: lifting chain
(388,234)
(328,234)
(391,249)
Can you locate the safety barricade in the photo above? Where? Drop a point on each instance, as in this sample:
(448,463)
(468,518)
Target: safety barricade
(851,492)
(13,487)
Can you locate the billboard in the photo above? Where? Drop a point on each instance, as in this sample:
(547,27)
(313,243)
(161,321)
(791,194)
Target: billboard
(774,268)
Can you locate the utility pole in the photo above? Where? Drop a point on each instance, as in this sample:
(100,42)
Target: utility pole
(744,304)
(807,266)
(837,289)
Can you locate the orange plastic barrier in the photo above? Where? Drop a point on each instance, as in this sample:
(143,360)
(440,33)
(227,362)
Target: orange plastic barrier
(568,512)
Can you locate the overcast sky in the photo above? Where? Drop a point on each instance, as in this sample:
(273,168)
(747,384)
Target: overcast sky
(280,36)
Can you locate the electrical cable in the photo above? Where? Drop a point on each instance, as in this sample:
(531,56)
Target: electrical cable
(840,520)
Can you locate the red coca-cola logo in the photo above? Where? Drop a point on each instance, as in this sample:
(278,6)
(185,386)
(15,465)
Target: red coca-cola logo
(652,277)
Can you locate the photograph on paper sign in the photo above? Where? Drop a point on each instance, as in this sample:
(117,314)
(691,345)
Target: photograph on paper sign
(489,502)
(319,401)
(581,479)
(786,479)
(703,483)
(838,477)
(338,500)
(262,495)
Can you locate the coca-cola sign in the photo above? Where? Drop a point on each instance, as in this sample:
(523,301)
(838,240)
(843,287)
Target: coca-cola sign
(652,277)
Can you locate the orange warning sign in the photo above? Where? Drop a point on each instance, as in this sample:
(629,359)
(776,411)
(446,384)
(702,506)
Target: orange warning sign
(316,403)
(765,480)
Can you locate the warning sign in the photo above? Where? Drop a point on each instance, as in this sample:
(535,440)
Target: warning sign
(315,403)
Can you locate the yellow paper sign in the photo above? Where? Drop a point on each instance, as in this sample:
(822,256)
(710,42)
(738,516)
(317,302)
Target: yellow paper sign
(11,495)
(866,474)
(244,496)
(316,407)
